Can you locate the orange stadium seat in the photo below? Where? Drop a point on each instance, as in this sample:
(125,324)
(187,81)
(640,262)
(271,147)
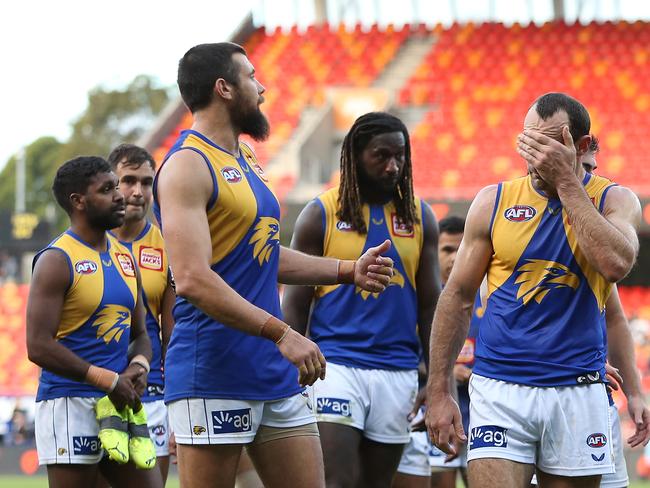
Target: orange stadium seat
(495,72)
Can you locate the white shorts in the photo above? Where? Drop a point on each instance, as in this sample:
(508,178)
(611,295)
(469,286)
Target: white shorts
(415,457)
(375,401)
(158,426)
(437,459)
(67,431)
(562,430)
(217,421)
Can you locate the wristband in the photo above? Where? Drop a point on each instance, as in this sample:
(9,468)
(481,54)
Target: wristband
(102,378)
(139,359)
(345,272)
(274,329)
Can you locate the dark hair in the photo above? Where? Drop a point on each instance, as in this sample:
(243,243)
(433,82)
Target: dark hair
(201,67)
(452,225)
(130,155)
(365,128)
(579,122)
(594,145)
(74,176)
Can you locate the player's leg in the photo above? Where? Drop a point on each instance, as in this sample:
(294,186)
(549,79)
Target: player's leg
(247,476)
(289,457)
(503,433)
(67,442)
(414,469)
(342,401)
(209,435)
(445,478)
(499,473)
(159,432)
(575,446)
(286,450)
(379,463)
(128,476)
(71,475)
(387,428)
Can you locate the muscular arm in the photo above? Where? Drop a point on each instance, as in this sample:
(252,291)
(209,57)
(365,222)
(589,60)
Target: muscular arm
(609,241)
(621,345)
(184,189)
(451,320)
(427,279)
(167,316)
(44,307)
(308,238)
(140,342)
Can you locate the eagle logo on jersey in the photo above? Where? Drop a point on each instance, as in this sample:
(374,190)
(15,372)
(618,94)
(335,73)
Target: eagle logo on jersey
(111,322)
(396,280)
(265,238)
(538,277)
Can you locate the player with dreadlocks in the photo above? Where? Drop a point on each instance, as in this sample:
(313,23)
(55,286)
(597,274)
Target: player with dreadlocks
(370,340)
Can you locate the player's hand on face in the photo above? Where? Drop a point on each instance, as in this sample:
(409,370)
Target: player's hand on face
(444,423)
(373,271)
(555,162)
(641,416)
(462,373)
(304,355)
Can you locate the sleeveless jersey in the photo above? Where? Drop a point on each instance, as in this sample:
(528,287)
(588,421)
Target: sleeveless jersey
(148,250)
(543,321)
(361,329)
(206,359)
(96,317)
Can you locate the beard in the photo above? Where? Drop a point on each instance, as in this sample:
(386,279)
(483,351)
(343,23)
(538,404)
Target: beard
(250,121)
(104,220)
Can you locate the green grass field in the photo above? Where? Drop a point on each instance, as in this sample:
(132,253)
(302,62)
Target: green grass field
(41,482)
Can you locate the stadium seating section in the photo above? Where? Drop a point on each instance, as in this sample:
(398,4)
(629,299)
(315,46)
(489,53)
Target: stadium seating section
(475,85)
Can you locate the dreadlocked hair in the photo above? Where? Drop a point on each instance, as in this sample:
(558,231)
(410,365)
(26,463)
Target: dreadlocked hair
(349,201)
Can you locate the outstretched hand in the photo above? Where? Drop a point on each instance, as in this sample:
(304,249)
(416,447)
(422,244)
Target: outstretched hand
(373,271)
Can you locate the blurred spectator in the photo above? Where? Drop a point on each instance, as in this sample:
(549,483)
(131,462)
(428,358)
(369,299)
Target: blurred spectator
(20,431)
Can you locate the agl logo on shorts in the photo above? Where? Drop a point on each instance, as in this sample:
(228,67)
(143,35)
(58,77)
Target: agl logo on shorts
(597,440)
(333,406)
(231,175)
(520,213)
(85,445)
(488,436)
(230,421)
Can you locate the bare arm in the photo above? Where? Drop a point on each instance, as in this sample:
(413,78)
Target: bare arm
(427,279)
(167,316)
(184,189)
(609,241)
(308,238)
(621,355)
(140,343)
(451,322)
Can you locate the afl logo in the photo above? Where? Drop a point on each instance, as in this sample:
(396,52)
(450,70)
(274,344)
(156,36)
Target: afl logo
(343,226)
(597,440)
(85,267)
(520,213)
(231,175)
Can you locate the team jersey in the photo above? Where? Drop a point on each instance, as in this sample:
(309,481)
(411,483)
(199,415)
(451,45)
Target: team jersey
(543,321)
(206,359)
(466,357)
(148,250)
(357,328)
(96,317)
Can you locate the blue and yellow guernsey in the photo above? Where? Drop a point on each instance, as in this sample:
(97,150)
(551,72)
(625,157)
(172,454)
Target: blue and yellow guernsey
(96,317)
(543,321)
(148,250)
(357,328)
(205,358)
